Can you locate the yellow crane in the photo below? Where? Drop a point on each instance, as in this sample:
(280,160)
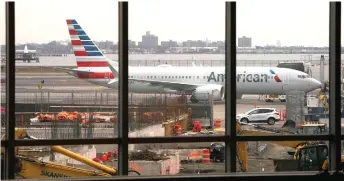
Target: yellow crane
(27,167)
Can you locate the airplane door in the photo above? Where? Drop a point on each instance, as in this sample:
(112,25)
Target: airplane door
(286,82)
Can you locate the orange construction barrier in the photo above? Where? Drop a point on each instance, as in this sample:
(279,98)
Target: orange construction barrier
(194,155)
(104,158)
(178,129)
(96,159)
(197,126)
(218,123)
(206,156)
(283,114)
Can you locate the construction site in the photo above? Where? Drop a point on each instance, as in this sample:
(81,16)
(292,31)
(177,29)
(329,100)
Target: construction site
(56,114)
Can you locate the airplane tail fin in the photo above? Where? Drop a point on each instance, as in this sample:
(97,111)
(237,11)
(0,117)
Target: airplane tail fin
(25,49)
(86,52)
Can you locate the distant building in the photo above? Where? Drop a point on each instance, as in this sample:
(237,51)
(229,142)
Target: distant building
(217,44)
(194,43)
(244,42)
(105,44)
(149,41)
(278,43)
(131,44)
(169,44)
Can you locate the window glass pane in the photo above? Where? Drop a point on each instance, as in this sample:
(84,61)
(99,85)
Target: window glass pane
(57,162)
(279,156)
(3,91)
(200,41)
(62,74)
(279,70)
(177,159)
(3,69)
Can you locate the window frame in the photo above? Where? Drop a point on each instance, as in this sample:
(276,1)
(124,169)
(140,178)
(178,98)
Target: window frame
(230,137)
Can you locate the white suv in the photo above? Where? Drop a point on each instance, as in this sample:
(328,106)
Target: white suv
(269,115)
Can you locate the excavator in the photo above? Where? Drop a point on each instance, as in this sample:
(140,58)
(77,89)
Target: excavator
(307,156)
(27,167)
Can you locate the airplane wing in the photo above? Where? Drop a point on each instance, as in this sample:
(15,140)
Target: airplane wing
(172,85)
(70,71)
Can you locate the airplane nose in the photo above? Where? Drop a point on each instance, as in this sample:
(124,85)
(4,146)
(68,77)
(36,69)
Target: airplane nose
(316,84)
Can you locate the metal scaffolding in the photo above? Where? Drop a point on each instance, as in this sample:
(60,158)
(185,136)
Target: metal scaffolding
(295,106)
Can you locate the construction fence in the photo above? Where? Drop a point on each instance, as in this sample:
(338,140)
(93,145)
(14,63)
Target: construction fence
(86,97)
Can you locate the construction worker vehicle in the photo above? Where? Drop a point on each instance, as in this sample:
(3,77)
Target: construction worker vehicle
(272,98)
(307,156)
(27,167)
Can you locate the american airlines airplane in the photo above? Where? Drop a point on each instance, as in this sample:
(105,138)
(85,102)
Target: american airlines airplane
(94,67)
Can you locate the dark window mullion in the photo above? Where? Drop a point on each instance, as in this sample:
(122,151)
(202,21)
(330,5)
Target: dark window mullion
(230,86)
(123,58)
(335,91)
(10,89)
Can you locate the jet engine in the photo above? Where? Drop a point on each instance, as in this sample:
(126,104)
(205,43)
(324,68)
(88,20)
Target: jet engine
(202,93)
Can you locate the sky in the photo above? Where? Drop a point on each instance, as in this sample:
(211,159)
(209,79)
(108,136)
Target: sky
(293,22)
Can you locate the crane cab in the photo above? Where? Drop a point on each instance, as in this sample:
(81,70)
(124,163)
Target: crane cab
(312,157)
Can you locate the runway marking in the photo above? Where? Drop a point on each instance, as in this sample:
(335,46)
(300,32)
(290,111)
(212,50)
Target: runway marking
(28,77)
(62,80)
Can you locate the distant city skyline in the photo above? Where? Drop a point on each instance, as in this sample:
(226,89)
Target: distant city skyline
(302,22)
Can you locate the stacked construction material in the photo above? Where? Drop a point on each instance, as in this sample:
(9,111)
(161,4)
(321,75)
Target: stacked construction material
(146,155)
(73,116)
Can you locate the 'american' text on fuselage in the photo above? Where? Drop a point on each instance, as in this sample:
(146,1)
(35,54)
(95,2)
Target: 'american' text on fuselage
(240,77)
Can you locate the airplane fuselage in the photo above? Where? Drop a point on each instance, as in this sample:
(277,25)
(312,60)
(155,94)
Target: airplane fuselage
(250,80)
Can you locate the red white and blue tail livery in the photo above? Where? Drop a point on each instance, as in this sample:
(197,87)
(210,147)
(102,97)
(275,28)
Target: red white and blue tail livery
(92,65)
(86,52)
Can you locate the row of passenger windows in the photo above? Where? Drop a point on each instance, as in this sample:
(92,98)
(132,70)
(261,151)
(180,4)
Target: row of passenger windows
(169,77)
(303,76)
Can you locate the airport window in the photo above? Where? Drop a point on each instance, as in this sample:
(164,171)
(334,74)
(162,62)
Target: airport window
(132,140)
